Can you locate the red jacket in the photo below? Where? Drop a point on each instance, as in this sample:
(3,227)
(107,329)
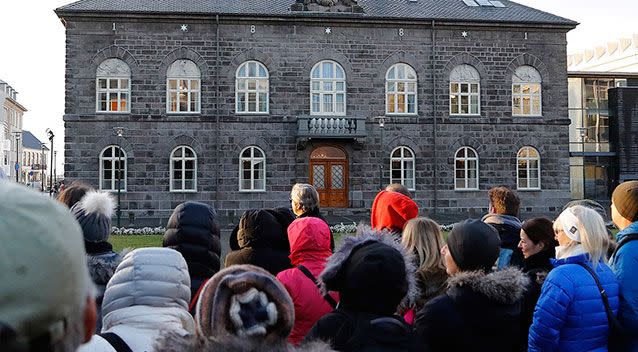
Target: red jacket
(391,210)
(309,246)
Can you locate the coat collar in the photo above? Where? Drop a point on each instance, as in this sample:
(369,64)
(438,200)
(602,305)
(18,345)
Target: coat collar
(504,286)
(580,258)
(631,229)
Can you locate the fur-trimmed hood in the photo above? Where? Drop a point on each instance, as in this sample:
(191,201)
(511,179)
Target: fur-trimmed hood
(173,342)
(382,274)
(102,266)
(505,286)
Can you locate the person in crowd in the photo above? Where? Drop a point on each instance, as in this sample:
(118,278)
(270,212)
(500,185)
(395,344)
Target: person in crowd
(592,204)
(94,212)
(538,246)
(72,194)
(147,297)
(624,261)
(375,276)
(571,314)
(399,188)
(423,238)
(503,212)
(262,240)
(304,200)
(192,230)
(480,311)
(391,210)
(243,308)
(46,296)
(309,249)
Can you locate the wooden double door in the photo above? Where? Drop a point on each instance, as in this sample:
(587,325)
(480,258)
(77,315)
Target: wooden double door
(329,175)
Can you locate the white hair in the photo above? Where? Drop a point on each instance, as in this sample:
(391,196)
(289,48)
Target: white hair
(593,233)
(305,195)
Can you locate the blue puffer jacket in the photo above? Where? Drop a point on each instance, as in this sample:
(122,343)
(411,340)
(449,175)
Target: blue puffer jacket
(570,314)
(625,265)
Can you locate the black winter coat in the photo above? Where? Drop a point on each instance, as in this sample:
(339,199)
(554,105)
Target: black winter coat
(364,332)
(192,230)
(261,239)
(478,312)
(536,267)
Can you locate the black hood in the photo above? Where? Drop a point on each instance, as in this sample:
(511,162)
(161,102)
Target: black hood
(192,230)
(263,228)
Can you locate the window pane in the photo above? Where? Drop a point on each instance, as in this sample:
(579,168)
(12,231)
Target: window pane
(188,152)
(262,71)
(516,88)
(474,88)
(327,103)
(340,104)
(123,101)
(124,83)
(102,83)
(189,184)
(194,84)
(113,84)
(340,86)
(326,68)
(411,103)
(263,102)
(316,85)
(190,164)
(454,88)
(327,86)
(241,102)
(340,74)
(252,102)
(464,88)
(315,103)
(454,104)
(390,103)
(189,174)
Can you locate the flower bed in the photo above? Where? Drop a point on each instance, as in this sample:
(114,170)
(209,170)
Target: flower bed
(138,231)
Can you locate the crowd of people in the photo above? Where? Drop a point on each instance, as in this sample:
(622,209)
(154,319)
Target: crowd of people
(400,284)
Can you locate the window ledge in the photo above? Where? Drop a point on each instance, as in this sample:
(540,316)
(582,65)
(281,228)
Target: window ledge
(113,112)
(529,189)
(175,113)
(528,116)
(400,114)
(466,190)
(267,113)
(112,190)
(465,115)
(183,191)
(252,191)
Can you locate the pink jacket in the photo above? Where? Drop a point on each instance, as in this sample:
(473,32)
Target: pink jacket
(309,246)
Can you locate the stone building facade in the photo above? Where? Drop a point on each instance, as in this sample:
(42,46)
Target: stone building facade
(456,58)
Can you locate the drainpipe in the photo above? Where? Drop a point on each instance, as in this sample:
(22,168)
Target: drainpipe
(217,112)
(434,125)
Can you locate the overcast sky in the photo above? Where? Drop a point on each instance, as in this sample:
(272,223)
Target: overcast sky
(32,49)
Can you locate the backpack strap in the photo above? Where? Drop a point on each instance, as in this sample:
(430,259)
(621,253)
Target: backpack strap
(309,275)
(116,342)
(193,303)
(624,241)
(611,318)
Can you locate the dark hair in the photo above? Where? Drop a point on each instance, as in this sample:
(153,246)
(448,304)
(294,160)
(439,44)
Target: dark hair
(399,188)
(504,201)
(540,230)
(72,194)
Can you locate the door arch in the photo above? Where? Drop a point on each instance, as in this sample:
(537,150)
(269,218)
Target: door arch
(329,175)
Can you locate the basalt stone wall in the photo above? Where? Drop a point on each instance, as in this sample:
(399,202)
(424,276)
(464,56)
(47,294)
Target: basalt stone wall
(289,50)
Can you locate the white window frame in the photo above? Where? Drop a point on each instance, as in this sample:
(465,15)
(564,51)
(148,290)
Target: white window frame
(253,161)
(178,71)
(113,159)
(465,75)
(528,174)
(465,158)
(402,158)
(183,159)
(108,71)
(405,93)
(527,77)
(334,92)
(261,83)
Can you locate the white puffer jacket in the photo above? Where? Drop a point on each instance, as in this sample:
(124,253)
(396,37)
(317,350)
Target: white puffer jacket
(147,297)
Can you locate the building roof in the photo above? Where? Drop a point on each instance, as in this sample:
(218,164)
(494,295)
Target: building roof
(30,141)
(442,10)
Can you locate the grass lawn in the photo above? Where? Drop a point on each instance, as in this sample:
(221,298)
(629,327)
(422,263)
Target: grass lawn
(120,242)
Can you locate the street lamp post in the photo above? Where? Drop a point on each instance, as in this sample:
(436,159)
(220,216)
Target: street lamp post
(381,126)
(50,136)
(55,169)
(42,162)
(17,136)
(120,132)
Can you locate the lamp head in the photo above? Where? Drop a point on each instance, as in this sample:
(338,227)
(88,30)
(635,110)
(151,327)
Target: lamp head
(50,134)
(119,131)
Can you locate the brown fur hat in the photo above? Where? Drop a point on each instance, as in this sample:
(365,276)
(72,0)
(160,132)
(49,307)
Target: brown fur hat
(245,301)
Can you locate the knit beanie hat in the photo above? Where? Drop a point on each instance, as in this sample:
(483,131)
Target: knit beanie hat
(391,210)
(474,245)
(625,198)
(245,301)
(94,212)
(372,273)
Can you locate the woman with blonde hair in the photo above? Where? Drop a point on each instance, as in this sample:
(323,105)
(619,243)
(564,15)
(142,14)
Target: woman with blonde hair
(579,298)
(423,238)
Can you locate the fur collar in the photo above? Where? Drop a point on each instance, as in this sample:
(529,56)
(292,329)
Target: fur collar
(102,266)
(364,235)
(173,342)
(505,286)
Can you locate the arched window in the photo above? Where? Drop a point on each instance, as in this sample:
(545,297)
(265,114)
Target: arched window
(252,169)
(465,91)
(183,170)
(112,169)
(113,86)
(528,168)
(251,88)
(400,90)
(183,87)
(402,167)
(526,92)
(466,169)
(327,89)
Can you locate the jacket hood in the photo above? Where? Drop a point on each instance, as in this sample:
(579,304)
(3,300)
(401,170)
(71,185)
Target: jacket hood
(500,219)
(155,277)
(151,319)
(505,286)
(261,228)
(391,210)
(371,270)
(192,230)
(172,342)
(309,240)
(103,266)
(631,229)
